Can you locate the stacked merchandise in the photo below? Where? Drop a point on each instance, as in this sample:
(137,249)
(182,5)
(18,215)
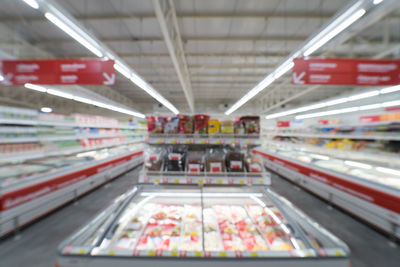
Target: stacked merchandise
(197,160)
(202,124)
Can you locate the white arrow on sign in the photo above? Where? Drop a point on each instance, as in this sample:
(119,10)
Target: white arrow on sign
(298,79)
(110,80)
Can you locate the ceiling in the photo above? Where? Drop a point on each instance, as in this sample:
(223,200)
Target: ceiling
(229,46)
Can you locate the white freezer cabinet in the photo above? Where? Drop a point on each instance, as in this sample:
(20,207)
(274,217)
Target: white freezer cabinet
(184,225)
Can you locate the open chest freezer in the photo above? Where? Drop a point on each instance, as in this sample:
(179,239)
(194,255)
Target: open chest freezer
(185,225)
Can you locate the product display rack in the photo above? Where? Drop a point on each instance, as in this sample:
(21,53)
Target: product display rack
(204,139)
(123,233)
(49,159)
(368,194)
(195,218)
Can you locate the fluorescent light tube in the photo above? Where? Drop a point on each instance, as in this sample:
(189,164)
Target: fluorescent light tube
(377,2)
(35,87)
(390,89)
(83,100)
(46,109)
(32,3)
(122,69)
(363,95)
(388,171)
(391,103)
(59,93)
(338,29)
(281,71)
(83,41)
(373,106)
(357,164)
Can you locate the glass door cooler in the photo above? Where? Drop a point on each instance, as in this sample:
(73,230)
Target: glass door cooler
(185,225)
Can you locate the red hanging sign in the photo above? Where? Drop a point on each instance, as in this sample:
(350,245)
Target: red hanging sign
(59,71)
(346,71)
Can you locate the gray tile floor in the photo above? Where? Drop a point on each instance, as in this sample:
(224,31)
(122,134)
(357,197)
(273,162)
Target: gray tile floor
(36,246)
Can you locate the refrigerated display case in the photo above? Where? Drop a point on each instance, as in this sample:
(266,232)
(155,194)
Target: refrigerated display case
(186,225)
(31,189)
(368,191)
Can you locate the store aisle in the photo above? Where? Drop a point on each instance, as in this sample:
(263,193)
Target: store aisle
(37,244)
(368,247)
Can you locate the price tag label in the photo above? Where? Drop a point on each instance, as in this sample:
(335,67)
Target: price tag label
(176,181)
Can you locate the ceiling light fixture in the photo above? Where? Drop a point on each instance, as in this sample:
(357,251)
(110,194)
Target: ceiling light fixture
(338,101)
(377,2)
(335,27)
(32,3)
(83,100)
(36,87)
(348,110)
(334,31)
(46,109)
(66,22)
(71,32)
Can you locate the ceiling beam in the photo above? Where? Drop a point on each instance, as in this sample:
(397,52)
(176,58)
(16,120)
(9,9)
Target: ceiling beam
(185,39)
(166,16)
(242,15)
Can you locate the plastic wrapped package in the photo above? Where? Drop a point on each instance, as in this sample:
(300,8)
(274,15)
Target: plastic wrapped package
(252,124)
(171,125)
(175,159)
(254,163)
(239,127)
(215,160)
(185,125)
(234,161)
(200,123)
(154,158)
(195,161)
(227,126)
(214,126)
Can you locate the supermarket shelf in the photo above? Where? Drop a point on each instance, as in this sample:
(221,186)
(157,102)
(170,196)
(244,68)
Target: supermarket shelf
(196,139)
(390,159)
(225,178)
(348,136)
(20,157)
(372,202)
(63,138)
(66,124)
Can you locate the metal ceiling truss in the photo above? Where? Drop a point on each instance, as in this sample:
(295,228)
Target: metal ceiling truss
(166,16)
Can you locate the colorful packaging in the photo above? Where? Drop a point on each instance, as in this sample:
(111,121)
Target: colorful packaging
(171,126)
(185,125)
(227,127)
(252,124)
(200,123)
(214,126)
(239,127)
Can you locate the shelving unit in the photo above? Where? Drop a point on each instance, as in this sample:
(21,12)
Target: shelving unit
(51,166)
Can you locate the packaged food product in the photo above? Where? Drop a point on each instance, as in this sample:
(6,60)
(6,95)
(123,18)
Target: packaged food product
(185,125)
(171,125)
(151,123)
(158,124)
(200,123)
(154,158)
(234,161)
(215,160)
(195,162)
(254,163)
(227,126)
(252,124)
(214,126)
(239,127)
(175,159)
